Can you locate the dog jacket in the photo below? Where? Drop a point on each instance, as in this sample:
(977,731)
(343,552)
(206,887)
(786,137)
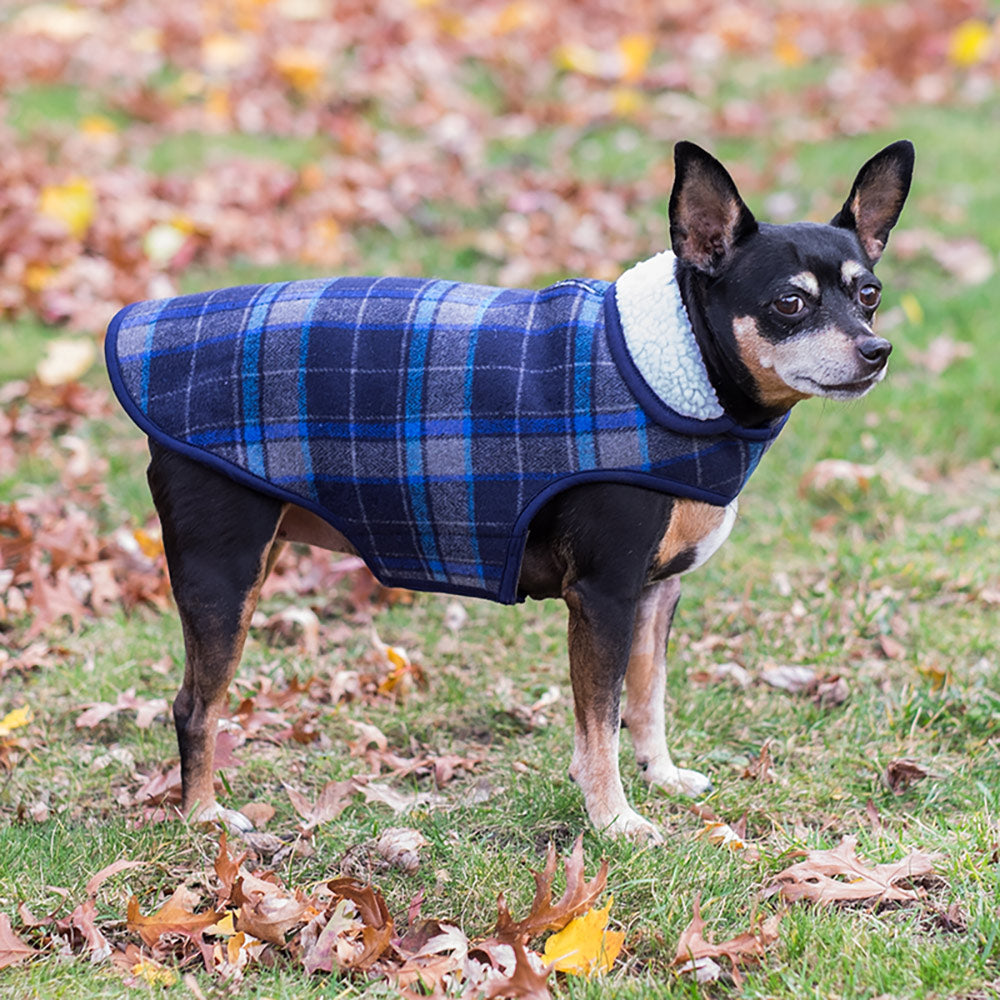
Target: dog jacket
(428,420)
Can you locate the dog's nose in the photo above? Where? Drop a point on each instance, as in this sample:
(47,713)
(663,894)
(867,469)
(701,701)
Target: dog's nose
(875,350)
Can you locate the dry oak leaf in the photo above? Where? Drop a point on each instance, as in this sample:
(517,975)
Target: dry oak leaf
(840,876)
(176,916)
(374,914)
(903,772)
(694,947)
(525,982)
(353,933)
(580,896)
(12,948)
(329,804)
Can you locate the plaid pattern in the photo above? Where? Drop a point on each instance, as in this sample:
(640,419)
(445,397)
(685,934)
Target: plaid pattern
(425,420)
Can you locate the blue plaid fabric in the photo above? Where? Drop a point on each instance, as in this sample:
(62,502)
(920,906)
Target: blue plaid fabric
(426,420)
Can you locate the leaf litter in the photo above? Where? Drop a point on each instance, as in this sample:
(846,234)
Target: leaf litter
(233,916)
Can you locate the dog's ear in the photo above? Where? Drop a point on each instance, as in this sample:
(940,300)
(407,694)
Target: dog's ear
(877,197)
(707,215)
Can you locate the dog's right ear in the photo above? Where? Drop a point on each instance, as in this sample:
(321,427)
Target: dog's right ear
(707,215)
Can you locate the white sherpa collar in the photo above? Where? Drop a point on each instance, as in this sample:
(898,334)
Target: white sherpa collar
(659,338)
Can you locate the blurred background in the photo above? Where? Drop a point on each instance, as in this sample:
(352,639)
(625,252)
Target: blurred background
(151,147)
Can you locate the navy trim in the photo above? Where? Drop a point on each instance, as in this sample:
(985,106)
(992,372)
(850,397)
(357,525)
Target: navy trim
(651,402)
(519,536)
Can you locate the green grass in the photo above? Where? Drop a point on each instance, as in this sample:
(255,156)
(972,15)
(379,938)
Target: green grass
(810,577)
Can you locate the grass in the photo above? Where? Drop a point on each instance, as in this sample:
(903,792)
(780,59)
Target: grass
(810,576)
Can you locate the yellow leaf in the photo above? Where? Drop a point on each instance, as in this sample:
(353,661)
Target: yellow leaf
(150,545)
(577,58)
(585,946)
(627,101)
(970,43)
(788,53)
(154,973)
(66,360)
(14,720)
(912,308)
(300,67)
(72,204)
(635,52)
(97,125)
(225,927)
(37,276)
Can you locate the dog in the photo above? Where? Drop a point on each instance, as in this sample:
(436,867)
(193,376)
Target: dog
(585,441)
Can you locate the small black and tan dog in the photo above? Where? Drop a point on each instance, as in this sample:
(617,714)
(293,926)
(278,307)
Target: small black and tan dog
(776,313)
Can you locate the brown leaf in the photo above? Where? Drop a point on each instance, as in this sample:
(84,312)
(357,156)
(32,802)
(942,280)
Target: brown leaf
(12,948)
(525,981)
(840,876)
(903,772)
(329,804)
(227,870)
(121,865)
(694,946)
(176,916)
(82,920)
(545,915)
(270,916)
(374,914)
(400,847)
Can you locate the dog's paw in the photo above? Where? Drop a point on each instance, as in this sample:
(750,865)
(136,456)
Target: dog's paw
(231,819)
(678,780)
(633,826)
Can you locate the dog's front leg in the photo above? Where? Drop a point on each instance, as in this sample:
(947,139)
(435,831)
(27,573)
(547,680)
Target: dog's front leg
(600,627)
(646,689)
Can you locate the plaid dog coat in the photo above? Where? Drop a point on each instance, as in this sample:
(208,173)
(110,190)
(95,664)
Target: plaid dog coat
(428,421)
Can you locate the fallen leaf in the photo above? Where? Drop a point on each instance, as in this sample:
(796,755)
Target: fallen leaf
(82,920)
(695,946)
(66,360)
(176,916)
(375,917)
(525,981)
(585,946)
(840,876)
(72,203)
(400,847)
(15,719)
(121,865)
(12,948)
(794,679)
(545,915)
(330,803)
(270,916)
(903,772)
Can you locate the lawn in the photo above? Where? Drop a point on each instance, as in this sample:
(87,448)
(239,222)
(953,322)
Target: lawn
(865,553)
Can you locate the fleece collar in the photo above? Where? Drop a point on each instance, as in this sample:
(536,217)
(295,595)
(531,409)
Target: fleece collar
(658,335)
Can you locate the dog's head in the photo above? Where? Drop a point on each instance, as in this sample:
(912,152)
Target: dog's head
(792,305)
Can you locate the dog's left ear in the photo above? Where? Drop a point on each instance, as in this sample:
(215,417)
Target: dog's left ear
(707,215)
(877,197)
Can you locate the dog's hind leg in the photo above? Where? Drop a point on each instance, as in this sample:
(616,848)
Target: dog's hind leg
(218,537)
(646,690)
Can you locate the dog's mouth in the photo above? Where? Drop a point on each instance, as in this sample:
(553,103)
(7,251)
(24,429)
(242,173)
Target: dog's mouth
(843,389)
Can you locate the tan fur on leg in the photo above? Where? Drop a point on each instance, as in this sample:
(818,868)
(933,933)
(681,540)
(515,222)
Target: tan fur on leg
(646,689)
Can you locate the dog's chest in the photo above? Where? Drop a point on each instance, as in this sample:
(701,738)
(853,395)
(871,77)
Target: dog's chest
(696,531)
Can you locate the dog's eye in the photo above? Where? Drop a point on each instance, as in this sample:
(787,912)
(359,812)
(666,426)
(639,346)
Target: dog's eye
(789,305)
(870,296)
